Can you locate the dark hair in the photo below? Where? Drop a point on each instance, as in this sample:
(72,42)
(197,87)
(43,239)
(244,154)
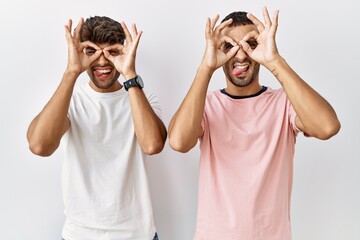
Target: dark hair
(102,30)
(239,18)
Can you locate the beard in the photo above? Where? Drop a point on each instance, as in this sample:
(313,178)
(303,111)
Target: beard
(242,81)
(104,84)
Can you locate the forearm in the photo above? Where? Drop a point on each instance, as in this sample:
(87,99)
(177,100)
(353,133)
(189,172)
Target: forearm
(45,131)
(185,126)
(149,129)
(316,116)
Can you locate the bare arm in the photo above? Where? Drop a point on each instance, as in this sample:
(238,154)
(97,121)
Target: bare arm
(149,129)
(315,116)
(185,126)
(47,128)
(45,131)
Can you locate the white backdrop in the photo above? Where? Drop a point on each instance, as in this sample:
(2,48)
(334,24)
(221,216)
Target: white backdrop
(320,39)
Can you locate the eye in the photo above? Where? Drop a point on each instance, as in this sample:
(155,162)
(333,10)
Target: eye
(114,52)
(89,51)
(228,46)
(252,43)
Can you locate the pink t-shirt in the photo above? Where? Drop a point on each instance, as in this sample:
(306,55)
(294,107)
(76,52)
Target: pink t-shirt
(246,167)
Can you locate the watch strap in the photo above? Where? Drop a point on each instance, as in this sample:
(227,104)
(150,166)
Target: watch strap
(131,83)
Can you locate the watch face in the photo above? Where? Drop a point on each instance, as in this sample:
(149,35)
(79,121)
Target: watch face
(140,81)
(134,82)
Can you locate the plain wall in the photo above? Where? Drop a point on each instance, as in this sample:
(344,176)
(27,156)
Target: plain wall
(319,39)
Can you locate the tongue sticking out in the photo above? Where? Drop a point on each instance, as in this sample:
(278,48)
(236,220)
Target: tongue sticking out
(238,71)
(99,73)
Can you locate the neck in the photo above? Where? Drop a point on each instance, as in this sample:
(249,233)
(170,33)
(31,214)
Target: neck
(248,90)
(115,87)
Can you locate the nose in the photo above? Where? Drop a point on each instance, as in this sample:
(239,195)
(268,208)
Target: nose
(241,54)
(102,60)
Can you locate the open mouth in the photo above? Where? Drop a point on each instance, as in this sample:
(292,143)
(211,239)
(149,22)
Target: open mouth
(239,69)
(102,72)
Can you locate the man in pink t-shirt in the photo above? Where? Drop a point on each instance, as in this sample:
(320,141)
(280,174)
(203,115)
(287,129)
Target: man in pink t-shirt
(247,131)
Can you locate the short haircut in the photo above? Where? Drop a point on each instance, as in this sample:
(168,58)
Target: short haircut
(239,18)
(102,30)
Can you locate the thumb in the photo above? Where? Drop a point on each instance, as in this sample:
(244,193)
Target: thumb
(246,47)
(108,55)
(232,52)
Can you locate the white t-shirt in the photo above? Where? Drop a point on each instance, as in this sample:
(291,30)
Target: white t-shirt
(104,179)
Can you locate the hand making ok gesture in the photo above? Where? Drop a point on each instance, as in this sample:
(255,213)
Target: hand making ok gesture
(124,61)
(78,61)
(266,51)
(214,56)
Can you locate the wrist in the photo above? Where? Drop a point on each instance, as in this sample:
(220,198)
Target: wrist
(71,74)
(70,77)
(205,73)
(277,68)
(275,63)
(73,70)
(129,74)
(206,69)
(134,82)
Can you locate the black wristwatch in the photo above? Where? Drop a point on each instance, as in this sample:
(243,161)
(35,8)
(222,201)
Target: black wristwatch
(134,82)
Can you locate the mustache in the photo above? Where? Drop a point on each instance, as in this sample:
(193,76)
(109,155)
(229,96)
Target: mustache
(101,66)
(244,61)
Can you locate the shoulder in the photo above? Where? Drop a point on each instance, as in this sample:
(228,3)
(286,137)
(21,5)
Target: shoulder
(211,95)
(278,93)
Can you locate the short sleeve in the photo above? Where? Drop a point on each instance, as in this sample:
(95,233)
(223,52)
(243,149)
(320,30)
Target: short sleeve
(292,118)
(204,120)
(204,124)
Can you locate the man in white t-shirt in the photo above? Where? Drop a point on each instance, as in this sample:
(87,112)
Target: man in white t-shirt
(247,131)
(107,128)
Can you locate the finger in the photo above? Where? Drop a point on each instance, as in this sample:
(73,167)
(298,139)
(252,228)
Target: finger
(128,37)
(95,56)
(68,30)
(89,44)
(246,47)
(208,28)
(134,29)
(88,47)
(115,49)
(259,25)
(266,18)
(68,26)
(78,29)
(232,52)
(227,39)
(274,25)
(224,24)
(213,21)
(137,40)
(108,55)
(251,35)
(116,46)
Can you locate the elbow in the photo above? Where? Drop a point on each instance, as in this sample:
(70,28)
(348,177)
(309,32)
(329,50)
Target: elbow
(179,145)
(330,130)
(41,149)
(154,148)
